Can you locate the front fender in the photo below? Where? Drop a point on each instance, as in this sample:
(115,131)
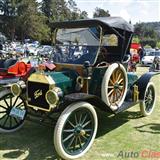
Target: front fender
(142,83)
(92,99)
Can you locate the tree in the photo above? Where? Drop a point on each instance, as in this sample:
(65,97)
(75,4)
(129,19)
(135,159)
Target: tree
(31,23)
(47,8)
(83,15)
(146,34)
(8,9)
(62,10)
(55,10)
(99,12)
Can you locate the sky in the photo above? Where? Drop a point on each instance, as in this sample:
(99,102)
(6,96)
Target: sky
(134,10)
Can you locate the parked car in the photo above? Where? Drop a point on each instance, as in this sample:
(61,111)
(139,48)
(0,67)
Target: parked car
(31,48)
(149,57)
(68,95)
(19,49)
(45,50)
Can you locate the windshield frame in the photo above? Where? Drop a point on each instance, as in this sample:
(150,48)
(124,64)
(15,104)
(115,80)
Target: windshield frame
(98,49)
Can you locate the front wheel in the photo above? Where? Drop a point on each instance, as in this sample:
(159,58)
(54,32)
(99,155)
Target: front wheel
(75,130)
(148,104)
(12,112)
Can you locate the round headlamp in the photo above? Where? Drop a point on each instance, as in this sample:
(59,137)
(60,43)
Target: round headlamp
(16,88)
(52,97)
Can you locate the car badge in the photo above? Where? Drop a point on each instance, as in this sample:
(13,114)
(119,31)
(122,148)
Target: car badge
(37,93)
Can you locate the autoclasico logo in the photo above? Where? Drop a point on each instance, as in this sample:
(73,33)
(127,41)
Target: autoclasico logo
(143,154)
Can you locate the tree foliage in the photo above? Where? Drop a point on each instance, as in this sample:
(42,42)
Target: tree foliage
(31,22)
(30,19)
(146,34)
(99,12)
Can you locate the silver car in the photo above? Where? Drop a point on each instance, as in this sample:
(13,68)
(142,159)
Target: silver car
(147,60)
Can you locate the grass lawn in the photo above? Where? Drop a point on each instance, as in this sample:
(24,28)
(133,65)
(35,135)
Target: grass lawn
(126,132)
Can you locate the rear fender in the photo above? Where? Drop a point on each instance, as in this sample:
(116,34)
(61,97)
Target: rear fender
(143,81)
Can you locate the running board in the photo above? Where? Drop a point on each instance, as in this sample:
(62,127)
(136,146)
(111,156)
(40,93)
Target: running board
(125,106)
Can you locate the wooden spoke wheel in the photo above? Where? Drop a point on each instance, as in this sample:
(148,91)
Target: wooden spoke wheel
(148,104)
(75,130)
(114,86)
(8,122)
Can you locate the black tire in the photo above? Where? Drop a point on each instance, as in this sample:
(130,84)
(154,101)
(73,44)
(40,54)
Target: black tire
(148,104)
(75,130)
(9,123)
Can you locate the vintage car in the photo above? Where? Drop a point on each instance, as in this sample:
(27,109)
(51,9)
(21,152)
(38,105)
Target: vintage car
(69,95)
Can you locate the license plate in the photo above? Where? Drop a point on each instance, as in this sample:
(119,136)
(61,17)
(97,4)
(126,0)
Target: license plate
(16,112)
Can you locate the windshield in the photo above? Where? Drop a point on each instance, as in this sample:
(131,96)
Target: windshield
(153,54)
(150,54)
(75,46)
(157,53)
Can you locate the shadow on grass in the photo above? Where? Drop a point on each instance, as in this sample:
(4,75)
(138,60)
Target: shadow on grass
(109,123)
(35,142)
(32,142)
(153,128)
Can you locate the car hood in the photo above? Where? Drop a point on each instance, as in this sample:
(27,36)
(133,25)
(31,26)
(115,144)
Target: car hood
(64,80)
(148,57)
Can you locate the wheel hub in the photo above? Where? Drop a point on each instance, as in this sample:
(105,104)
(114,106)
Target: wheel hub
(79,131)
(149,98)
(116,86)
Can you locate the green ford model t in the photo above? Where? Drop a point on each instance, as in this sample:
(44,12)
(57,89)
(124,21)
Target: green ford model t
(90,58)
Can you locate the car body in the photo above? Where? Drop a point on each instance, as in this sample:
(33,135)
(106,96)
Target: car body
(149,57)
(97,78)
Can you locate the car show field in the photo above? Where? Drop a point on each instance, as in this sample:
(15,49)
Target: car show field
(74,94)
(126,134)
(79,80)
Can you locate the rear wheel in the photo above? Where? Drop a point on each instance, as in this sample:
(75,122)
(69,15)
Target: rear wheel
(75,130)
(114,86)
(9,121)
(148,104)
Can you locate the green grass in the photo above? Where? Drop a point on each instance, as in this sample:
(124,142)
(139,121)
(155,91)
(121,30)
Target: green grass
(127,132)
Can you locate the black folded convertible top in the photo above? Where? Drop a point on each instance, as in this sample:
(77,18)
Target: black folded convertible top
(113,22)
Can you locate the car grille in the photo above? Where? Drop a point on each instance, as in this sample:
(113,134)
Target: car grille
(36,95)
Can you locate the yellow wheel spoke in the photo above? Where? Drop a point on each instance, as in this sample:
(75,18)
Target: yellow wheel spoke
(119,76)
(110,87)
(120,81)
(110,92)
(111,81)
